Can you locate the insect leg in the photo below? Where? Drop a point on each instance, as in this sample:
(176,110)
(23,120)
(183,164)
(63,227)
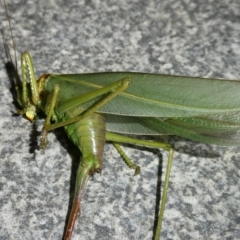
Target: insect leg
(28,75)
(127,159)
(51,103)
(119,87)
(117,138)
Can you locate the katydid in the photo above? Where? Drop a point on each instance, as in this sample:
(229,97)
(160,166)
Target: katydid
(172,105)
(99,100)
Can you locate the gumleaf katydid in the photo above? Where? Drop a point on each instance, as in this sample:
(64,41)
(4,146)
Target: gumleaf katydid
(200,125)
(120,97)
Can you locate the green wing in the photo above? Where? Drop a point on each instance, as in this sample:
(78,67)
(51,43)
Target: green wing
(153,95)
(200,129)
(204,110)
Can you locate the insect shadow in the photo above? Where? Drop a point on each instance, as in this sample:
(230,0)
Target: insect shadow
(189,147)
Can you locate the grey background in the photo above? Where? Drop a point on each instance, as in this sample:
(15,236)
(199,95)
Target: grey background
(194,38)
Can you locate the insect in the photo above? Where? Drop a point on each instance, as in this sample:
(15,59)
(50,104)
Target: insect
(132,85)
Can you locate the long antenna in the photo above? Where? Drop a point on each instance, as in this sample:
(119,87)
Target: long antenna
(10,28)
(6,46)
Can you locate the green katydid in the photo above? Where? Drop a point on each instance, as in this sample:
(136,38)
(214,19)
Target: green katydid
(173,111)
(113,97)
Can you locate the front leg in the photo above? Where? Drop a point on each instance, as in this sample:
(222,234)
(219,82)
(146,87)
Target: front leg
(50,105)
(114,90)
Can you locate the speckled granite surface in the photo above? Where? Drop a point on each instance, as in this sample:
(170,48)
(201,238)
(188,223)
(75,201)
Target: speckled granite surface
(169,37)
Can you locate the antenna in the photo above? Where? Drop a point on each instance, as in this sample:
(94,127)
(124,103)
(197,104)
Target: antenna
(11,67)
(13,42)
